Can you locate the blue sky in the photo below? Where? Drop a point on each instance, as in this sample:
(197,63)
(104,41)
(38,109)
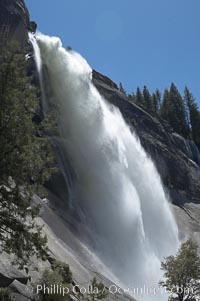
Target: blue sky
(137,42)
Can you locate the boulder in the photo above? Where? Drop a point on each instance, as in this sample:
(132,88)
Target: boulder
(9,272)
(22,290)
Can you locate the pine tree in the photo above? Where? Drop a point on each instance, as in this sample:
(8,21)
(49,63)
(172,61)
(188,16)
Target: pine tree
(139,99)
(147,99)
(178,120)
(121,88)
(173,110)
(165,105)
(155,103)
(158,97)
(25,156)
(132,97)
(193,115)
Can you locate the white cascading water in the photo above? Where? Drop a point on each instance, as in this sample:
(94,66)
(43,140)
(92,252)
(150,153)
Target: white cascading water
(118,188)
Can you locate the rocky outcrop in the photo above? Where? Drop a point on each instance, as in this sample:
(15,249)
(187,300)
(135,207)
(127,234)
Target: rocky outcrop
(9,272)
(21,292)
(176,159)
(187,217)
(14,22)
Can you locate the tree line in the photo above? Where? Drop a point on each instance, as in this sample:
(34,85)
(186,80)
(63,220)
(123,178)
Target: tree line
(182,112)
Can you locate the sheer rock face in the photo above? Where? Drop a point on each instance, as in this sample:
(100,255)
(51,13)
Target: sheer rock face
(14,22)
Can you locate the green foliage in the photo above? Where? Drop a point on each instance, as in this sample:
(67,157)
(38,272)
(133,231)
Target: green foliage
(132,97)
(50,278)
(100,293)
(121,88)
(147,99)
(63,269)
(97,291)
(25,158)
(193,115)
(60,275)
(165,106)
(173,110)
(150,103)
(156,101)
(139,99)
(57,276)
(182,113)
(182,273)
(5,294)
(158,97)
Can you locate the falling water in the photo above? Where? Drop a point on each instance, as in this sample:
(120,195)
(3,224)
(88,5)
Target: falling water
(117,186)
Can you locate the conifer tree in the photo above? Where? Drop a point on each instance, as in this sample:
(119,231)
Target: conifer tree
(155,103)
(147,99)
(165,105)
(158,97)
(132,97)
(178,114)
(121,88)
(139,98)
(193,114)
(25,156)
(173,110)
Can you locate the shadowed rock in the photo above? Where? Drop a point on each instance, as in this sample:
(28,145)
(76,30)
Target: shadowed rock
(14,22)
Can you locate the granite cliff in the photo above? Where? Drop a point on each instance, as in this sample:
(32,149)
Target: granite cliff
(14,22)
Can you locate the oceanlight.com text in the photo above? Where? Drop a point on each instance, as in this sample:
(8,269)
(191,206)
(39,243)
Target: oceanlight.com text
(57,289)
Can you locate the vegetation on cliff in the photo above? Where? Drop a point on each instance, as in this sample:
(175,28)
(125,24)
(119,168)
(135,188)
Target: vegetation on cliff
(182,273)
(25,158)
(61,277)
(182,112)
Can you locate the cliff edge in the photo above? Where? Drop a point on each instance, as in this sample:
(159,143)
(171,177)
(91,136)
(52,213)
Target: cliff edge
(14,22)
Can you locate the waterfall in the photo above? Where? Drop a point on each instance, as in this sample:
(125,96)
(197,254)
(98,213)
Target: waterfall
(117,186)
